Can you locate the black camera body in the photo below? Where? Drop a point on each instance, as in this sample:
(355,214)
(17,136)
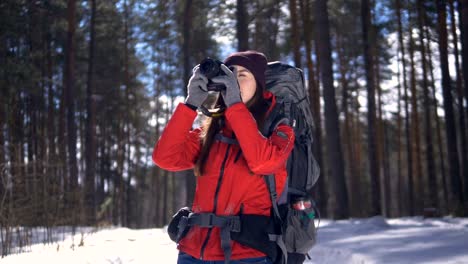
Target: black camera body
(212,68)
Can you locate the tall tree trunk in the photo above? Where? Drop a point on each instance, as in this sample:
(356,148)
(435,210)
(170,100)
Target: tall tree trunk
(382,145)
(410,202)
(357,139)
(314,98)
(51,158)
(127,40)
(90,148)
(430,162)
(416,146)
(295,37)
(461,110)
(450,129)
(188,17)
(3,130)
(334,151)
(399,181)
(434,102)
(70,103)
(242,26)
(348,135)
(371,116)
(463,18)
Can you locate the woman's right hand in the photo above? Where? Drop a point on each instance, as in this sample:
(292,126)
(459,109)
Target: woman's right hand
(197,90)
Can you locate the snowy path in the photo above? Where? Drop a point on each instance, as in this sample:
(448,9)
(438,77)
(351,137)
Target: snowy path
(363,241)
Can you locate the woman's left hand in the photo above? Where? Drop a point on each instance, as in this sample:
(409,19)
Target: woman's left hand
(232,93)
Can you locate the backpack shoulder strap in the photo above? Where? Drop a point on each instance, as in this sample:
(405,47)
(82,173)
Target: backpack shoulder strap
(278,238)
(271,186)
(276,117)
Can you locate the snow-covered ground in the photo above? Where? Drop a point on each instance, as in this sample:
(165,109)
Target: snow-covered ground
(371,240)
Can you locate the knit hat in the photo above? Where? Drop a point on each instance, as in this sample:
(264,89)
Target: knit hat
(254,61)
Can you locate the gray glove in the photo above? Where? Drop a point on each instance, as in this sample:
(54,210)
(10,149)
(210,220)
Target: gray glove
(232,93)
(196,88)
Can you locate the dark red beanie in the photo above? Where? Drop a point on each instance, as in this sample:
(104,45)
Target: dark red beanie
(254,61)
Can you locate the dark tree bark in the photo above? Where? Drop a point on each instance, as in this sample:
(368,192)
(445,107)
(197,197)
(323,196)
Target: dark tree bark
(334,153)
(314,98)
(430,162)
(348,135)
(410,202)
(371,115)
(295,37)
(3,130)
(435,106)
(463,18)
(450,129)
(242,26)
(415,139)
(461,110)
(399,179)
(188,17)
(90,148)
(70,102)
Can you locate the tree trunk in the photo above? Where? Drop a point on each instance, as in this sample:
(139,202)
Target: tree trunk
(371,115)
(410,201)
(314,98)
(295,37)
(242,26)
(348,135)
(382,145)
(461,110)
(434,102)
(334,153)
(416,146)
(90,148)
(399,181)
(70,104)
(430,162)
(190,180)
(463,18)
(450,129)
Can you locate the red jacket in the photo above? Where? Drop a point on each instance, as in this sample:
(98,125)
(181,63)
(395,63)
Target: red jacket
(237,169)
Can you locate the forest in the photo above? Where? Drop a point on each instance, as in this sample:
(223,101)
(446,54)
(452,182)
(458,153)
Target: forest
(87,87)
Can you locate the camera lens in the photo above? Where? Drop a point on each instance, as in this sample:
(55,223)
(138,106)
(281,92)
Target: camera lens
(210,68)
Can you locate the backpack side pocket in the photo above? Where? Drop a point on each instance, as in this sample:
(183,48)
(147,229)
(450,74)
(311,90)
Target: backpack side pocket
(300,235)
(173,229)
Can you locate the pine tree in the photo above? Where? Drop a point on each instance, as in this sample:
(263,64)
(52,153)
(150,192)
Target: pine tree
(334,152)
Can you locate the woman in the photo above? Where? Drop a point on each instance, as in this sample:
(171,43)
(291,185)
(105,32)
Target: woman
(229,156)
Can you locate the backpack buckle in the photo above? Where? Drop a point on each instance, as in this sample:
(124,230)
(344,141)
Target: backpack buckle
(235,225)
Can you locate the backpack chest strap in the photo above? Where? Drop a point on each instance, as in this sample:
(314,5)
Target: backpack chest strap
(227,140)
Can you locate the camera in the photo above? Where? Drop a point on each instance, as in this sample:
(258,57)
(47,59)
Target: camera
(212,68)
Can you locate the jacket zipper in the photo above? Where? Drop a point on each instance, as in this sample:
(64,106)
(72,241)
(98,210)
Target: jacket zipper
(218,187)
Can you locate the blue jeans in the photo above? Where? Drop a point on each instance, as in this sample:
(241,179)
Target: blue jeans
(187,259)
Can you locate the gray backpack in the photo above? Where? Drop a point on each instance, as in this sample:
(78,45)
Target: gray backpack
(294,211)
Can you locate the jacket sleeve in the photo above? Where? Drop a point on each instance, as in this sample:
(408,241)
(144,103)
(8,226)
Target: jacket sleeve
(178,147)
(263,155)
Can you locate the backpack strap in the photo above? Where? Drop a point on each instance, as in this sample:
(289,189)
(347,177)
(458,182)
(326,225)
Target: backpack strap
(227,224)
(227,140)
(278,238)
(275,117)
(271,185)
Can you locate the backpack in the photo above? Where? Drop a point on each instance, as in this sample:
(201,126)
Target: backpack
(294,211)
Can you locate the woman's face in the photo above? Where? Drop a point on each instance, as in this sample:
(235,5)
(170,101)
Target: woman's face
(247,83)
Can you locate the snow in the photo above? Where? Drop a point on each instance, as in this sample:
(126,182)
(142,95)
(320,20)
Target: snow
(363,241)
